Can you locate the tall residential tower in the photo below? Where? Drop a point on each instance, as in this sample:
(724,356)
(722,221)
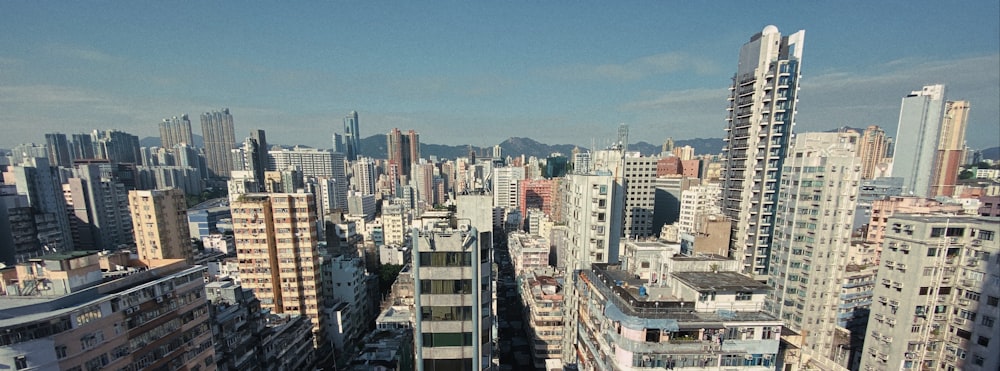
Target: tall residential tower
(762,106)
(217,130)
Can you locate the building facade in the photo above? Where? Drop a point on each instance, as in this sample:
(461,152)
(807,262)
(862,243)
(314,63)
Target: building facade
(762,106)
(220,138)
(159,223)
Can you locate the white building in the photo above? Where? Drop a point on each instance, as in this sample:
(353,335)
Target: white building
(814,219)
(505,190)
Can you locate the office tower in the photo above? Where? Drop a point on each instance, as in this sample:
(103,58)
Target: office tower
(175,130)
(64,314)
(818,195)
(640,199)
(352,137)
(276,236)
(58,150)
(918,137)
(936,295)
(338,143)
(872,149)
(950,149)
(505,186)
(159,222)
(220,138)
(365,175)
(83,146)
(99,217)
(403,150)
(697,314)
(762,107)
(452,292)
(117,146)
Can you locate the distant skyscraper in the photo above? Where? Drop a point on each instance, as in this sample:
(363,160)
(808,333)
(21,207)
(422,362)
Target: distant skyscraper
(404,150)
(117,146)
(59,150)
(917,138)
(951,148)
(259,156)
(872,149)
(83,146)
(762,107)
(175,130)
(99,213)
(220,139)
(352,137)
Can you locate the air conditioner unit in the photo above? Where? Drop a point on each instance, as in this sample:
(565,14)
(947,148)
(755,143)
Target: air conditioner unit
(159,299)
(128,310)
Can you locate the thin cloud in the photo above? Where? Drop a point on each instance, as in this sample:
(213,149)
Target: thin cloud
(658,64)
(80,52)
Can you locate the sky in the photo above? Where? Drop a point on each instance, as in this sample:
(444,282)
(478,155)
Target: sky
(462,72)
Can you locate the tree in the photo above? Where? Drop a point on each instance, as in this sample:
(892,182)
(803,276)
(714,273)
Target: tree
(386,276)
(966,174)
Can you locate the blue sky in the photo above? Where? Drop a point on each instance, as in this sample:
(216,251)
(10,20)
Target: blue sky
(477,72)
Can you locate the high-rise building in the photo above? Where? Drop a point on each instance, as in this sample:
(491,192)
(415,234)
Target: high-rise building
(812,238)
(505,186)
(453,297)
(365,175)
(423,182)
(593,206)
(99,212)
(117,146)
(403,150)
(175,130)
(59,150)
(686,319)
(66,315)
(83,146)
(17,228)
(762,107)
(276,237)
(34,178)
(918,138)
(950,149)
(936,295)
(640,199)
(220,138)
(872,149)
(159,222)
(352,137)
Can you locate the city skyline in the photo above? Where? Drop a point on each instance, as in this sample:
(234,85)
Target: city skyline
(556,73)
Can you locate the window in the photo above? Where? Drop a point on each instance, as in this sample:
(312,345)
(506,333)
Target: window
(652,335)
(972,295)
(743,295)
(988,321)
(447,339)
(931,251)
(20,363)
(984,341)
(61,351)
(992,301)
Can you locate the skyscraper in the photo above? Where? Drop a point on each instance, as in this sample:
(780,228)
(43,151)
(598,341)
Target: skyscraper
(917,138)
(872,149)
(352,138)
(220,139)
(83,146)
(403,150)
(762,107)
(174,131)
(59,150)
(117,146)
(951,148)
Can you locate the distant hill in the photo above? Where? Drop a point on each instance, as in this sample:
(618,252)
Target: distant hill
(375,147)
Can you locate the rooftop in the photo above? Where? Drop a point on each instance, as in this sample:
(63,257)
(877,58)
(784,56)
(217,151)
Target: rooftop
(719,281)
(211,204)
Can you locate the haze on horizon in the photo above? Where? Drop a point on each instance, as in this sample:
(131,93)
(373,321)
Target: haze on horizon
(477,73)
